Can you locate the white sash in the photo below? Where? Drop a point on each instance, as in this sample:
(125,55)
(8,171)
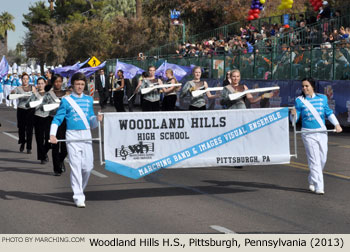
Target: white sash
(313,112)
(79,111)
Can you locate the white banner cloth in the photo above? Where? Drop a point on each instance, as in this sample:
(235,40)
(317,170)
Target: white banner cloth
(137,144)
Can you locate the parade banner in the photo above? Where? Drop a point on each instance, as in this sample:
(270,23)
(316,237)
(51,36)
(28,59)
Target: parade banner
(138,144)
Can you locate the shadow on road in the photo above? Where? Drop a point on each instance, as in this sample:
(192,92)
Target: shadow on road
(59,198)
(255,185)
(26,170)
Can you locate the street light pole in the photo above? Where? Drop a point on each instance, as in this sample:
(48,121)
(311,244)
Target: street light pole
(183,32)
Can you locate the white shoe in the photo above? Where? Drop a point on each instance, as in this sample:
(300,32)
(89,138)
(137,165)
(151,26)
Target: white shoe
(320,192)
(80,204)
(312,188)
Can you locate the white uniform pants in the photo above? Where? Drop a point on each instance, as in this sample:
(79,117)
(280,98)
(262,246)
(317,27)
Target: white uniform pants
(316,146)
(81,161)
(7,91)
(14,102)
(1,97)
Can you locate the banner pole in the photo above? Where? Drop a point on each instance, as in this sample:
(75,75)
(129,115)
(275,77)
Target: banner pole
(295,136)
(100,142)
(316,131)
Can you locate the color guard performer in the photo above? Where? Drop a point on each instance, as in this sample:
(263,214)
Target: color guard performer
(42,121)
(25,115)
(170,96)
(150,101)
(312,108)
(77,109)
(197,103)
(59,151)
(234,87)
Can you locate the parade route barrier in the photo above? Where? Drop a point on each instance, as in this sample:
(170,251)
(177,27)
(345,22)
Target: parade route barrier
(138,144)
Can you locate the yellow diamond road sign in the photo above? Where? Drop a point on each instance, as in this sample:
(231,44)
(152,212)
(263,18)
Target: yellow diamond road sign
(94,61)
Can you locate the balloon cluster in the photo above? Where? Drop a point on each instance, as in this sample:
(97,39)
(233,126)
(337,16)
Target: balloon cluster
(255,8)
(286,4)
(316,4)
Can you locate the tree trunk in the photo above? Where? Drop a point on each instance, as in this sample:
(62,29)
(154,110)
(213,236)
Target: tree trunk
(5,43)
(138,8)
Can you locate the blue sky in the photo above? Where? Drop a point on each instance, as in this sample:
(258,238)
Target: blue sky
(16,8)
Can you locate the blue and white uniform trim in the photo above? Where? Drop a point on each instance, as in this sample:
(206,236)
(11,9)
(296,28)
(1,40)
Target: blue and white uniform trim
(74,121)
(320,103)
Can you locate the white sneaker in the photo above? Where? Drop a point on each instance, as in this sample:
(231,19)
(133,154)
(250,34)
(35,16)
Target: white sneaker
(312,188)
(80,204)
(320,192)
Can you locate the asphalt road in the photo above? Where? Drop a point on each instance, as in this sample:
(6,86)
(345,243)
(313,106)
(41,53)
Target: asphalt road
(255,199)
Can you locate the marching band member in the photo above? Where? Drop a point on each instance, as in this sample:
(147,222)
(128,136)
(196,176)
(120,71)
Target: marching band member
(312,108)
(118,92)
(77,109)
(235,86)
(170,97)
(7,89)
(59,151)
(15,83)
(150,101)
(41,122)
(24,115)
(33,79)
(196,103)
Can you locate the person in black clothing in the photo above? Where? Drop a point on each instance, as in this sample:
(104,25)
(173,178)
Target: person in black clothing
(227,80)
(111,83)
(129,91)
(102,86)
(48,75)
(326,13)
(118,93)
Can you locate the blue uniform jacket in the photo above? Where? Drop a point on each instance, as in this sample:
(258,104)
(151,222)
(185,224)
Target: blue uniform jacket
(73,120)
(320,102)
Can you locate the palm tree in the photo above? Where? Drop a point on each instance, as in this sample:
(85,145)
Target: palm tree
(138,8)
(6,24)
(51,4)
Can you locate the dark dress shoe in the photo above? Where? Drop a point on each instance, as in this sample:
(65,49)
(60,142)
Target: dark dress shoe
(46,158)
(57,174)
(21,148)
(29,151)
(63,168)
(43,162)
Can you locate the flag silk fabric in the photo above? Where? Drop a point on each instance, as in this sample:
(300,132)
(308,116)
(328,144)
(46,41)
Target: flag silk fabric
(138,145)
(179,71)
(88,71)
(129,70)
(68,71)
(4,67)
